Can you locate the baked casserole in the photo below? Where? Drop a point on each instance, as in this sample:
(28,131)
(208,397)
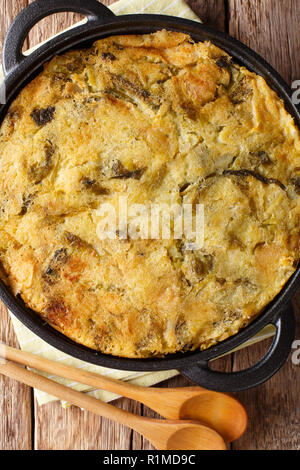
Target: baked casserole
(159,119)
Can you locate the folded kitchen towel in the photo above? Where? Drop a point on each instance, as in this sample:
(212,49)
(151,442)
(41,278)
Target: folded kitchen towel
(32,343)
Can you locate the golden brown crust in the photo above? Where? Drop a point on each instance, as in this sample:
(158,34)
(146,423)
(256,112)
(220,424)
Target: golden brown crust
(161,119)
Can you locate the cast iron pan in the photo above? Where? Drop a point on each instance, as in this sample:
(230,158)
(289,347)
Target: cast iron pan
(101,22)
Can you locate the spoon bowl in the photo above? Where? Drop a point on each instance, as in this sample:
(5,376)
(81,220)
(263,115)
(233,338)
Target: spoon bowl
(195,435)
(217,410)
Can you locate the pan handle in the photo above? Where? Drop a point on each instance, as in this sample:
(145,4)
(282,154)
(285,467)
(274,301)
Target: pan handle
(36,11)
(256,374)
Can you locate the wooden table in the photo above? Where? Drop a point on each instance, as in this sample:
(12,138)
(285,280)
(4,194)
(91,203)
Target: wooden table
(270,27)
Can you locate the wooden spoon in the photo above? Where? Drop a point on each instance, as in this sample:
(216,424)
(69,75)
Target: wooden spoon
(219,411)
(164,435)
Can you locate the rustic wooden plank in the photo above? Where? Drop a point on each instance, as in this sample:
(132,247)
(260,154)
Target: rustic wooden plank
(15,400)
(67,429)
(271,28)
(272,407)
(211,12)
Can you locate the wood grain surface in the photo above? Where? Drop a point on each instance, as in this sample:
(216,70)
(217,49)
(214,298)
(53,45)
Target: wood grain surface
(270,27)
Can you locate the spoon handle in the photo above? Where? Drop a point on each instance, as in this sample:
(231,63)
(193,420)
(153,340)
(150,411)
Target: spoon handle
(68,372)
(72,396)
(141,394)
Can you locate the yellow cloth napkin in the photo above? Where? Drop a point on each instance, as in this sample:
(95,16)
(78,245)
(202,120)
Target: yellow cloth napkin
(30,342)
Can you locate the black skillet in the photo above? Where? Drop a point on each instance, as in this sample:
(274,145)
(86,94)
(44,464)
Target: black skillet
(101,22)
